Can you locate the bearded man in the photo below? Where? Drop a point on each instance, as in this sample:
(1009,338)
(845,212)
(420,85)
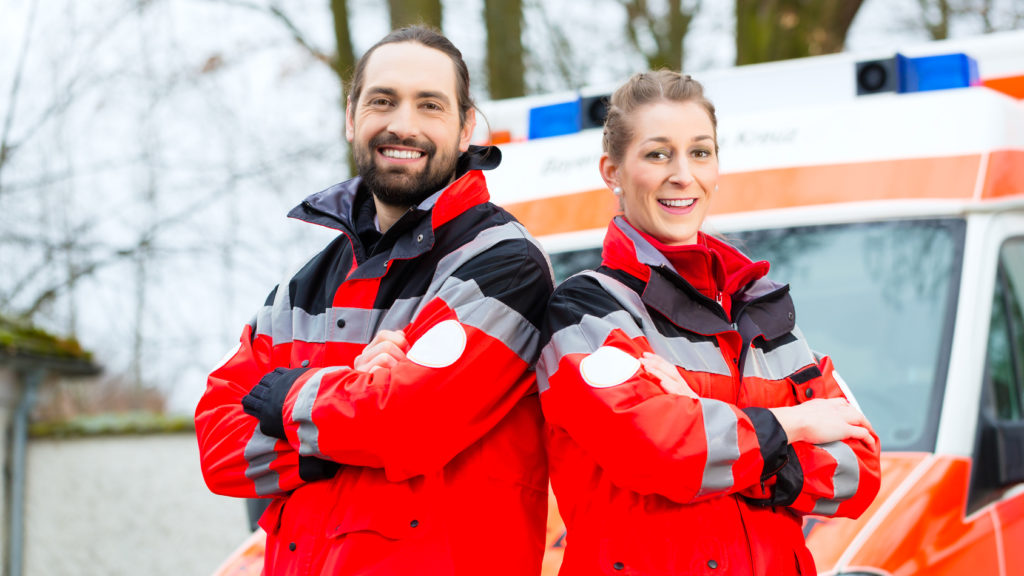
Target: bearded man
(383,397)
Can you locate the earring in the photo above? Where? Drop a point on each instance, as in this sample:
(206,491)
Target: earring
(617,191)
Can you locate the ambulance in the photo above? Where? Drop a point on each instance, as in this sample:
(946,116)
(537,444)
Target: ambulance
(888,190)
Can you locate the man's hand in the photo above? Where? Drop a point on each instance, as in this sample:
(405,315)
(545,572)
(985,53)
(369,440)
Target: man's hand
(671,381)
(386,349)
(265,401)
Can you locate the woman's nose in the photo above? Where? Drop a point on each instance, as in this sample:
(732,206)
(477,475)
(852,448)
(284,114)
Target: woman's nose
(681,173)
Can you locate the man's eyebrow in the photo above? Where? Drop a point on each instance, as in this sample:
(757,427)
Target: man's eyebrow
(424,94)
(421,95)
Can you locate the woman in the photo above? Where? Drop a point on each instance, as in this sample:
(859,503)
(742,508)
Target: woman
(689,424)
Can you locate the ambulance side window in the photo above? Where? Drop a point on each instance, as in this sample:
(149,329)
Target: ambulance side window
(999,453)
(1005,363)
(570,262)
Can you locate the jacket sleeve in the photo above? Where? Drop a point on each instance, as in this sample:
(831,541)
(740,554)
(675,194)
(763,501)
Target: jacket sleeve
(648,441)
(236,457)
(472,345)
(834,479)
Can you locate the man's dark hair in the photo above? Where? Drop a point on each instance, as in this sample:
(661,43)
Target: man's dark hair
(431,39)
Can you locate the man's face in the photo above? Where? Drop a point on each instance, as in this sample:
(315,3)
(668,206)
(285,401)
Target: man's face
(405,131)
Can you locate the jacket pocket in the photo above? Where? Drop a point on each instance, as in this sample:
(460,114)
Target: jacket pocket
(367,501)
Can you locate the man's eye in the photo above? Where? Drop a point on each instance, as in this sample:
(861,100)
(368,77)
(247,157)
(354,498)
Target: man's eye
(432,106)
(380,102)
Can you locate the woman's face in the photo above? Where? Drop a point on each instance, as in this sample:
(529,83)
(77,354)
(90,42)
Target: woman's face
(668,171)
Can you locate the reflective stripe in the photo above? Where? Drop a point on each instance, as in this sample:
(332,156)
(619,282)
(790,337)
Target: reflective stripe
(723,447)
(779,362)
(360,323)
(583,338)
(693,355)
(263,322)
(484,240)
(281,316)
(259,453)
(645,253)
(696,355)
(307,327)
(399,315)
(845,479)
(302,413)
(285,324)
(491,316)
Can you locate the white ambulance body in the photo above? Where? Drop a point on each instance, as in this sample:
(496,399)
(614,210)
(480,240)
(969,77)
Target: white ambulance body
(898,219)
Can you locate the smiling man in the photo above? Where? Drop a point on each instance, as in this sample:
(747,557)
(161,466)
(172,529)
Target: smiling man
(383,397)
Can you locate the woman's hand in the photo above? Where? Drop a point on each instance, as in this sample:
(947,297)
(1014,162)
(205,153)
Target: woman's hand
(385,350)
(822,420)
(671,381)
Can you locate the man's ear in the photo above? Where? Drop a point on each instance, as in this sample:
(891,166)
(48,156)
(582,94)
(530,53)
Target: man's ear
(609,171)
(350,129)
(466,133)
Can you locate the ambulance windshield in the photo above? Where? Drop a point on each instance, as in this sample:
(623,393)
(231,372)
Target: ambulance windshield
(876,297)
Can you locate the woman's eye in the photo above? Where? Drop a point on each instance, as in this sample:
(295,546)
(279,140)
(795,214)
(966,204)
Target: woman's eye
(702,153)
(657,155)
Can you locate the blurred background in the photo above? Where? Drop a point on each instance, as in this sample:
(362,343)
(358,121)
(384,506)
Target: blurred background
(149,150)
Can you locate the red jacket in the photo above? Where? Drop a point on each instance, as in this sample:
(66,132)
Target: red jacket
(656,483)
(435,466)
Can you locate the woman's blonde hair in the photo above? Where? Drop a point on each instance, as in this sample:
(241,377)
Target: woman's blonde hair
(648,88)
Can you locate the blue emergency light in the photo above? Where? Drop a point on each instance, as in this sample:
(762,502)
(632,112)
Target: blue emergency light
(569,117)
(938,72)
(902,74)
(555,119)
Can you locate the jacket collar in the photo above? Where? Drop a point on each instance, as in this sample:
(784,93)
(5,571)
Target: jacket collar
(333,207)
(671,295)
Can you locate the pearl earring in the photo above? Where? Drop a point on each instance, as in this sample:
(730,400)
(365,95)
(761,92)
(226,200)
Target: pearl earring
(617,191)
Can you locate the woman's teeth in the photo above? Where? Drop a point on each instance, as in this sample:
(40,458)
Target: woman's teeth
(678,203)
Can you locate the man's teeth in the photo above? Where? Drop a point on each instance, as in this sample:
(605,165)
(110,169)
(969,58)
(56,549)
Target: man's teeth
(679,203)
(401,154)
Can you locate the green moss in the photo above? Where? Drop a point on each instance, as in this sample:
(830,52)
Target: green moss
(112,424)
(22,339)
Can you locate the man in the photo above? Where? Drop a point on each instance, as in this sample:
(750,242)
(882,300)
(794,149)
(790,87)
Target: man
(383,396)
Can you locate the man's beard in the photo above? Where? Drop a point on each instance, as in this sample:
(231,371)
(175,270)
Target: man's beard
(397,186)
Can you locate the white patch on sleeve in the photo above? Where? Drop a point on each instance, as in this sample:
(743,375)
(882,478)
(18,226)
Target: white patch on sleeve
(608,366)
(231,354)
(846,390)
(441,346)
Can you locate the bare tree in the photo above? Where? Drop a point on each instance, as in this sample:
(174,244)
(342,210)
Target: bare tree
(408,12)
(506,70)
(937,17)
(659,37)
(768,30)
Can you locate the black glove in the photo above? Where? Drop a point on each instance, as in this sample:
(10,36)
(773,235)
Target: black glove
(266,400)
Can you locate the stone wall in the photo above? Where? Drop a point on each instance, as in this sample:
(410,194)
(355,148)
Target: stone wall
(125,505)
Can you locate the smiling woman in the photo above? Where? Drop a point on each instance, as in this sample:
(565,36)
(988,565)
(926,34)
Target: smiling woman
(677,388)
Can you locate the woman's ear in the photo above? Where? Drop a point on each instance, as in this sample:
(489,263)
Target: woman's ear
(609,171)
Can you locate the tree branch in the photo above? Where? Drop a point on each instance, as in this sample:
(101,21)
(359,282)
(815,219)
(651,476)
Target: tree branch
(278,14)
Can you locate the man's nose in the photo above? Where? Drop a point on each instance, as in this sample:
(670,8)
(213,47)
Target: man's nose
(403,122)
